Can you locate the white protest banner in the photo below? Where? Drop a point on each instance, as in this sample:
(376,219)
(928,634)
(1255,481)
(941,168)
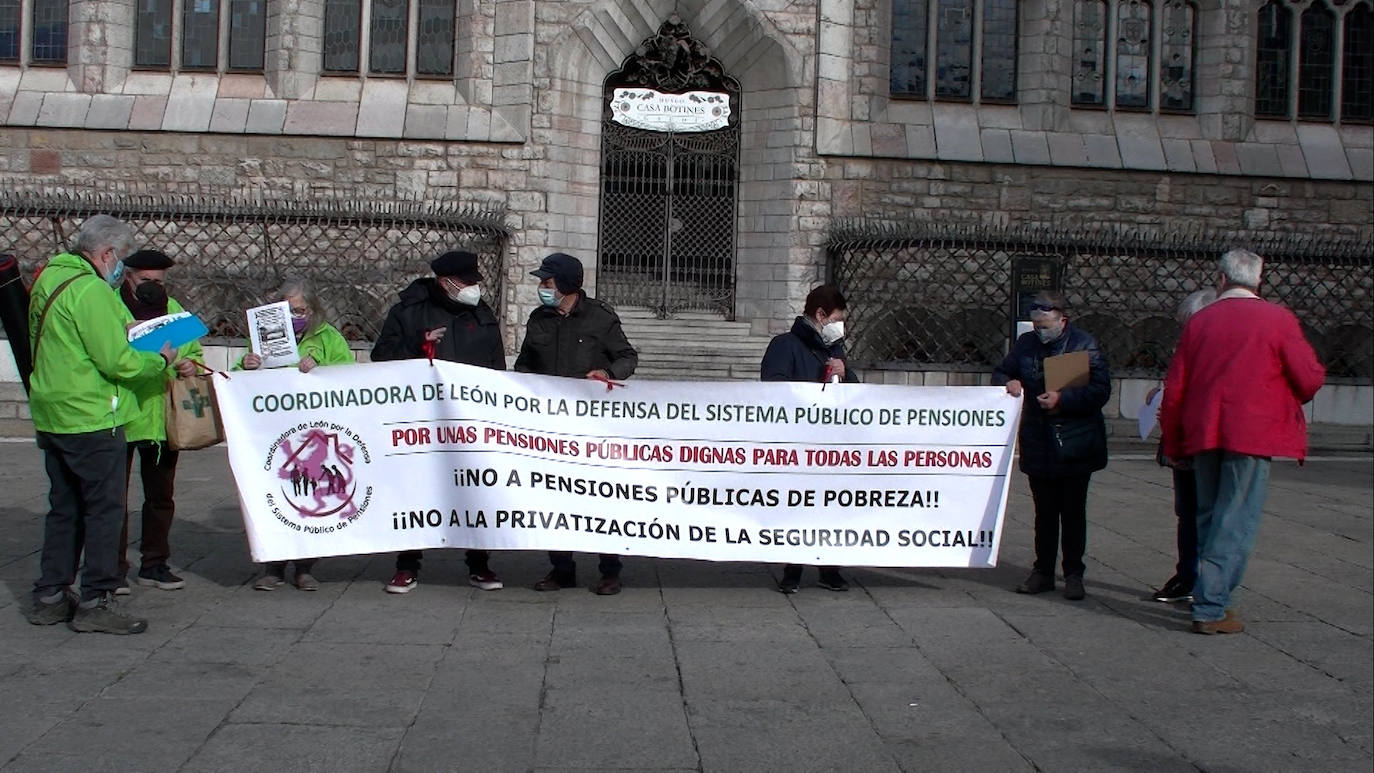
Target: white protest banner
(406,455)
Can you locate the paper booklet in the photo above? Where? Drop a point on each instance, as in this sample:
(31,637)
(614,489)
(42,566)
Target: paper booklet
(176,329)
(270,335)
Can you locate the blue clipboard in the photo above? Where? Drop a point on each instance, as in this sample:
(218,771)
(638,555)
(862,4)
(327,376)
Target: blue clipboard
(176,329)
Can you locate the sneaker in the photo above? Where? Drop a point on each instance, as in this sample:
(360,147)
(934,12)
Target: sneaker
(123,589)
(1073,587)
(486,580)
(160,577)
(52,612)
(268,581)
(1228,624)
(306,581)
(1036,583)
(833,581)
(101,615)
(403,581)
(1174,590)
(555,581)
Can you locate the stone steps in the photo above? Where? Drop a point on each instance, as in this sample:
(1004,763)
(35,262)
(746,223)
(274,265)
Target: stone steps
(693,346)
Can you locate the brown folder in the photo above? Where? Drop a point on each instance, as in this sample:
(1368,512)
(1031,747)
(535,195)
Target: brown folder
(1066,370)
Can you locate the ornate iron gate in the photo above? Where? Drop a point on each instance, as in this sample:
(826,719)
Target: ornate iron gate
(667,231)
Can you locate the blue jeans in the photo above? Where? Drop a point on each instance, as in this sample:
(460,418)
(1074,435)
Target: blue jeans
(1231,489)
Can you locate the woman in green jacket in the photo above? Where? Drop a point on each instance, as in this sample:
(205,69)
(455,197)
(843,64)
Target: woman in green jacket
(319,343)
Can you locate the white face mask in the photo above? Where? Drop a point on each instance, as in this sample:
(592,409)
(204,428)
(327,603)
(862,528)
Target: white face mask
(832,332)
(1048,334)
(468,296)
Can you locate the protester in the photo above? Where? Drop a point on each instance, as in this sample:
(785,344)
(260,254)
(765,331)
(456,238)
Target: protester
(573,335)
(1063,439)
(145,295)
(1180,586)
(319,343)
(1233,400)
(443,318)
(813,350)
(83,368)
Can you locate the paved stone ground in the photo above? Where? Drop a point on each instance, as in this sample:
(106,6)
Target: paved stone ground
(702,667)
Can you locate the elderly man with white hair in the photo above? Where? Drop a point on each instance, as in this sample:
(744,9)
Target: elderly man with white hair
(1232,401)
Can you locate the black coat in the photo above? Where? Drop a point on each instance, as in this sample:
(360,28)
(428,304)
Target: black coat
(1077,405)
(589,338)
(799,355)
(473,337)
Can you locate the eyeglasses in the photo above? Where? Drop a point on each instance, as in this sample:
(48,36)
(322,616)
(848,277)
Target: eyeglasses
(300,313)
(1043,308)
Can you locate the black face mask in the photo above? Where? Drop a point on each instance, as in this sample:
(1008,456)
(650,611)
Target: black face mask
(151,293)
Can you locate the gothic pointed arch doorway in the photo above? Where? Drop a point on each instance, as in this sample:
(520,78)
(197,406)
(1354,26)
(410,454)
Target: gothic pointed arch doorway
(670,140)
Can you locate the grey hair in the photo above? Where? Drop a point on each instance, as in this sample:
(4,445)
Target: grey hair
(1194,303)
(100,231)
(1241,268)
(299,285)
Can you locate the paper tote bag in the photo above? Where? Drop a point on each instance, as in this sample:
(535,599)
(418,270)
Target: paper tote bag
(192,416)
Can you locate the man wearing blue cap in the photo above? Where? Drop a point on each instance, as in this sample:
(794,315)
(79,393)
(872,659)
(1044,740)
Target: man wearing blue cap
(573,335)
(443,317)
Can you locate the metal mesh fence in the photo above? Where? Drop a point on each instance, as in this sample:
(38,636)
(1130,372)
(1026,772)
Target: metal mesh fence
(933,297)
(232,254)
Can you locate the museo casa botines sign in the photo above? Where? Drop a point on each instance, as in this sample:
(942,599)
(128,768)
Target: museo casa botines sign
(692,111)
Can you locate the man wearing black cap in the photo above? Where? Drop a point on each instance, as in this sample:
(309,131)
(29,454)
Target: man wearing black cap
(444,318)
(573,335)
(144,293)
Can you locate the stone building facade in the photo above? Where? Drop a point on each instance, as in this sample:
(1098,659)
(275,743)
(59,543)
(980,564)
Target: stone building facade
(517,124)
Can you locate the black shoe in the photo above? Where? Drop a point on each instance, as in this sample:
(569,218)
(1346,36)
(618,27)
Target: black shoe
(791,581)
(101,615)
(1174,590)
(1036,583)
(833,581)
(160,577)
(1073,587)
(52,613)
(556,581)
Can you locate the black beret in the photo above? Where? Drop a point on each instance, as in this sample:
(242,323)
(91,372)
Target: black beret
(149,259)
(565,270)
(459,264)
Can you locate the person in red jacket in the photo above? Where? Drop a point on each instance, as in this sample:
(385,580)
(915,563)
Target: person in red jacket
(1233,400)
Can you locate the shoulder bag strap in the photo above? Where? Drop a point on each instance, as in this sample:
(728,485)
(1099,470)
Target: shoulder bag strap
(38,331)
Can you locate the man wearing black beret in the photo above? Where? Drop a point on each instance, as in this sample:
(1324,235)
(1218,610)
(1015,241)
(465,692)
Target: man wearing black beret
(445,318)
(573,335)
(144,293)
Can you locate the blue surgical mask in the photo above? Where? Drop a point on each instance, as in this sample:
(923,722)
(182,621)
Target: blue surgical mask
(548,297)
(116,274)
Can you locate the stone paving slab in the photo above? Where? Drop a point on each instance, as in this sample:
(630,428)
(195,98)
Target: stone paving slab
(699,666)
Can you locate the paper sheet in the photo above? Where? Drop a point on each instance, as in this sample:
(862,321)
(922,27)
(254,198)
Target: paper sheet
(1148,417)
(269,331)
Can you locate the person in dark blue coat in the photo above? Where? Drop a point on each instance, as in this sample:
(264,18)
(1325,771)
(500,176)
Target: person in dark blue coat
(1063,439)
(813,350)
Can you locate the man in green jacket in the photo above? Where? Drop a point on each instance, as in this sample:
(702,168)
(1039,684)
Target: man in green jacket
(145,296)
(80,401)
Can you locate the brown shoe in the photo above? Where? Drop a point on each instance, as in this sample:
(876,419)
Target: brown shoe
(554,581)
(1228,624)
(609,586)
(1036,583)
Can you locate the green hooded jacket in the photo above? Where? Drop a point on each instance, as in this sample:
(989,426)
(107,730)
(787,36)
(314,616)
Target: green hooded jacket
(151,394)
(84,366)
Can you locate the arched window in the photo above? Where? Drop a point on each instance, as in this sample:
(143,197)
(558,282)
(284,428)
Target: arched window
(974,49)
(1177,54)
(1272,55)
(907,73)
(1133,54)
(1357,71)
(1089,52)
(1316,60)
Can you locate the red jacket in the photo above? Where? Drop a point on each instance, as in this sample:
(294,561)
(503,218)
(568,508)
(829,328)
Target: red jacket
(1238,380)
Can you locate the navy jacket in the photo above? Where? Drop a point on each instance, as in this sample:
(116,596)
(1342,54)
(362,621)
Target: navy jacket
(473,337)
(1077,405)
(588,338)
(799,355)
